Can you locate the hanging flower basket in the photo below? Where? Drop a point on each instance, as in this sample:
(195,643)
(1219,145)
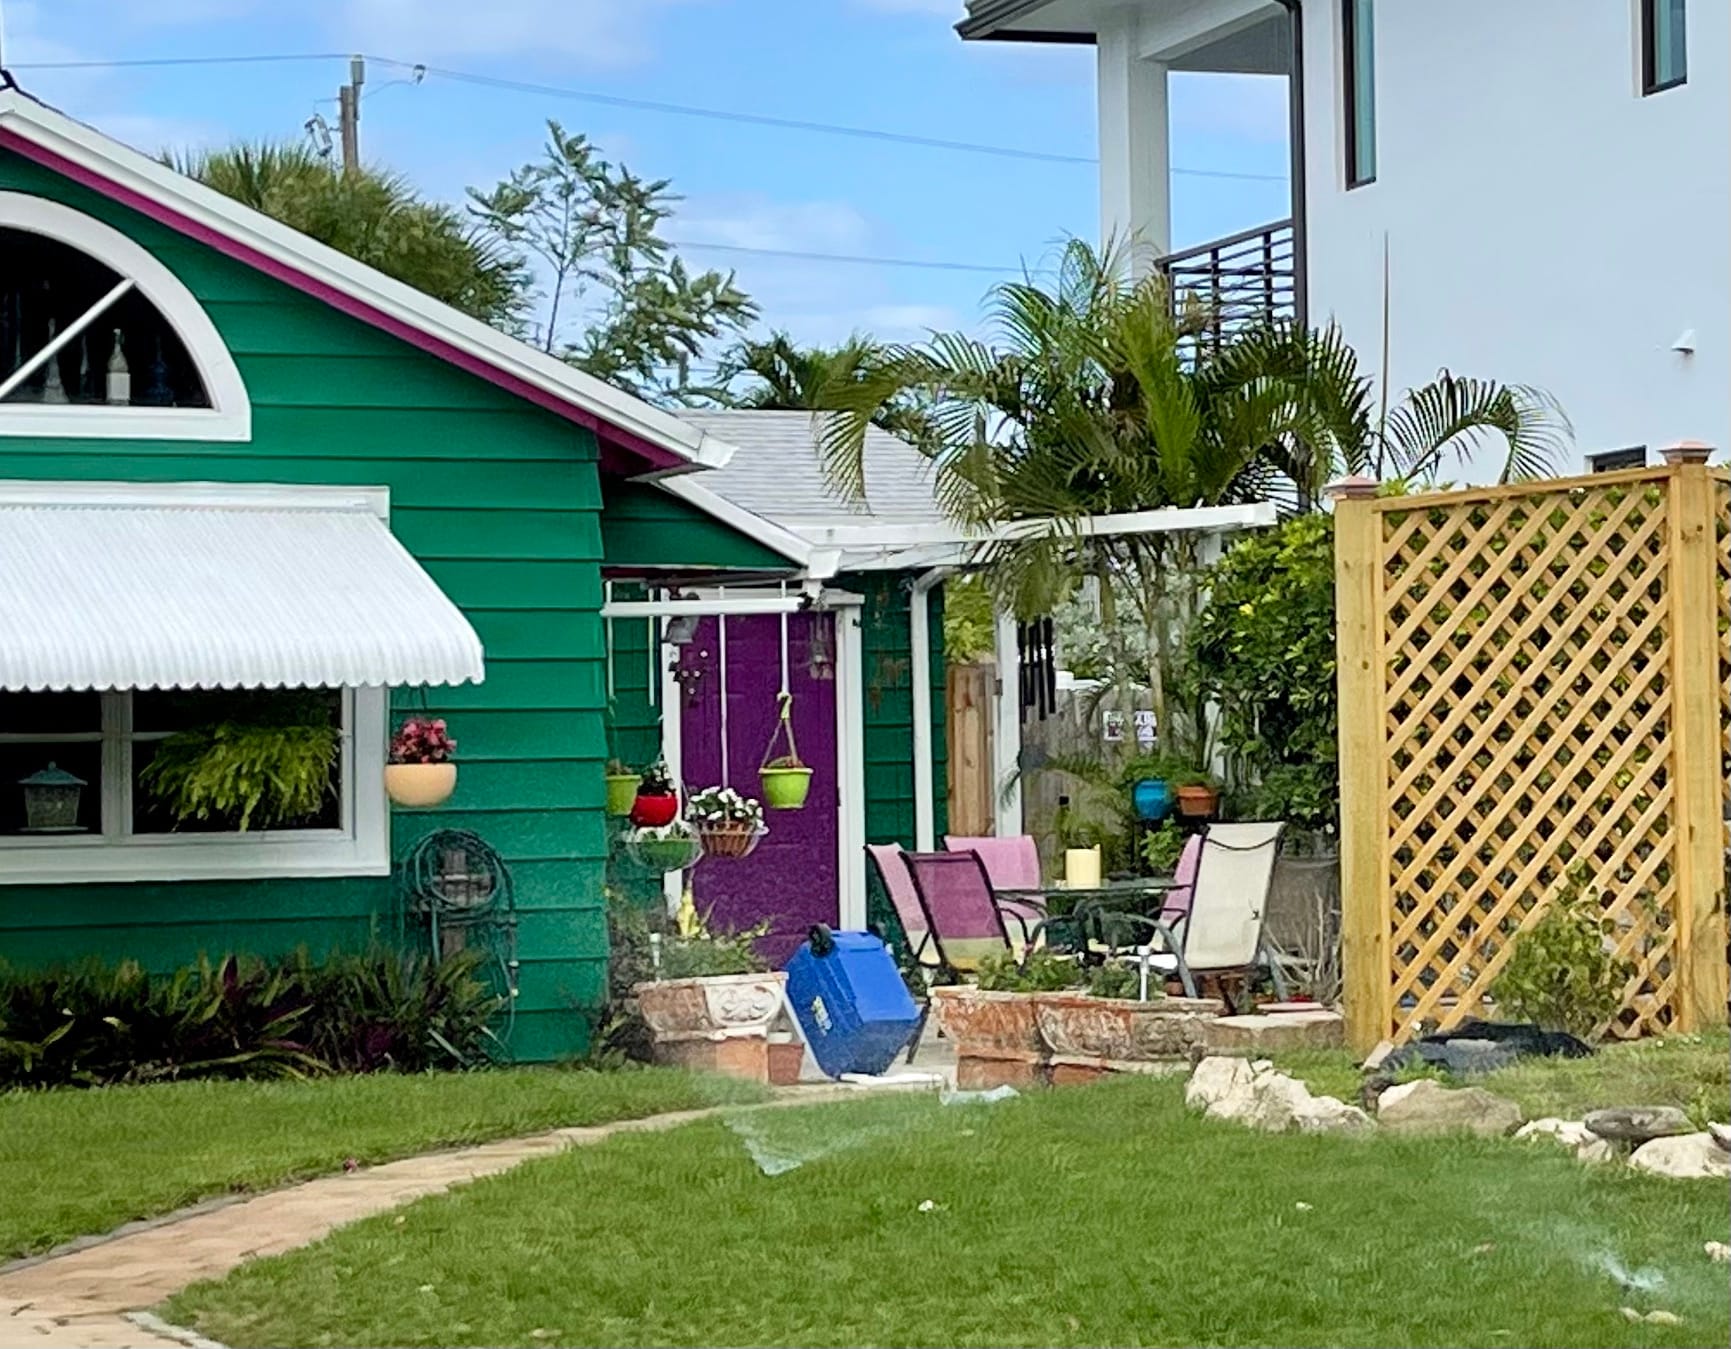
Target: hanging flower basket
(729,824)
(622,785)
(731,838)
(785,779)
(786,783)
(655,803)
(664,848)
(420,772)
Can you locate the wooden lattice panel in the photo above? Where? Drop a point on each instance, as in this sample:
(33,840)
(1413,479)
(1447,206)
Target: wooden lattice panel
(1725,650)
(1526,669)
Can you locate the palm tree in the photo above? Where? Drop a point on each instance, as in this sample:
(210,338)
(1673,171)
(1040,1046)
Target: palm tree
(778,373)
(376,218)
(1094,400)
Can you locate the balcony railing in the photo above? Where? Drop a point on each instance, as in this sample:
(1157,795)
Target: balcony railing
(1236,283)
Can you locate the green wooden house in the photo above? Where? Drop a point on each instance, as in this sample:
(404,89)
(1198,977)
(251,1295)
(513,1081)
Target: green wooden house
(242,476)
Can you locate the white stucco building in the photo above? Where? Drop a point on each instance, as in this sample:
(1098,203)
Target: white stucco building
(1550,181)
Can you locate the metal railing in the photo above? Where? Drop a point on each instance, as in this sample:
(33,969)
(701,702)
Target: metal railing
(1231,284)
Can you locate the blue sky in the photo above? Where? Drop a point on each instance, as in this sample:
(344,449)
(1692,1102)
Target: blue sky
(890,64)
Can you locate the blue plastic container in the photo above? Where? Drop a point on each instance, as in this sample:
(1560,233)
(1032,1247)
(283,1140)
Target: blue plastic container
(855,1010)
(1152,799)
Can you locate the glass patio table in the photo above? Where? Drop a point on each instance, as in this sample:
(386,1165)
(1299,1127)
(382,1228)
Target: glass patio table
(1088,910)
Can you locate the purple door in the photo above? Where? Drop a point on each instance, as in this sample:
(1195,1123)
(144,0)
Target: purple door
(792,878)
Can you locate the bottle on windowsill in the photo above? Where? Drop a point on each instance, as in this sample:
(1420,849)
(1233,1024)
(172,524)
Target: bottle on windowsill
(119,377)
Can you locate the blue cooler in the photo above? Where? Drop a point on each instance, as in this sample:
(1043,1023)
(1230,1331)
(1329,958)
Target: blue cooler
(855,1010)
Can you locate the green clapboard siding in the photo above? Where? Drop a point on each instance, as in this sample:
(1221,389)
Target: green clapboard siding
(645,527)
(502,503)
(887,653)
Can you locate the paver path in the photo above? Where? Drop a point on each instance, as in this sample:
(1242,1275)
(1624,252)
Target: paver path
(81,1300)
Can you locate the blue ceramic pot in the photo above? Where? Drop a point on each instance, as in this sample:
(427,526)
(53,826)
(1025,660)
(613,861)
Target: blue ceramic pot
(1152,799)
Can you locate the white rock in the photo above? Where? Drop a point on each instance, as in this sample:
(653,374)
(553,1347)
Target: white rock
(1396,1094)
(1682,1157)
(1663,1318)
(1326,1115)
(1427,1106)
(1260,1066)
(1277,1102)
(1572,1134)
(1721,1134)
(1214,1079)
(1718,1252)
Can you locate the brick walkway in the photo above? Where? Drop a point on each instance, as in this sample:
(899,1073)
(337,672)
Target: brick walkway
(81,1300)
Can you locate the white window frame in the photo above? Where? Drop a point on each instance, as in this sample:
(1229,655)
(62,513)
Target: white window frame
(229,416)
(359,847)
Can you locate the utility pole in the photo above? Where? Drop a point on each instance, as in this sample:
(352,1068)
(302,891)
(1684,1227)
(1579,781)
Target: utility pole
(349,115)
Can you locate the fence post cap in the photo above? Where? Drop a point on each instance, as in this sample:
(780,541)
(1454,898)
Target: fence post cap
(1687,452)
(1357,487)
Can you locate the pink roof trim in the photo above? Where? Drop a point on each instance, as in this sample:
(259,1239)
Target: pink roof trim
(655,455)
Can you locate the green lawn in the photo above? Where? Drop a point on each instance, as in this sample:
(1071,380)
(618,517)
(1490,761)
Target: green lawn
(79,1162)
(1690,1071)
(1102,1215)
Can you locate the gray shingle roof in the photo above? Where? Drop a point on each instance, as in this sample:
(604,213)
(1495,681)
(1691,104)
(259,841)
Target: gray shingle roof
(778,475)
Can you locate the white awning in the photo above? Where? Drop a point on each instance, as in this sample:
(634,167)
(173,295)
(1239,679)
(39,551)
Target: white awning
(127,586)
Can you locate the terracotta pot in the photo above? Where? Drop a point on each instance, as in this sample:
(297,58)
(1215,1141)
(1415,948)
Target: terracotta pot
(420,784)
(718,1004)
(652,810)
(1124,1029)
(1198,802)
(982,1022)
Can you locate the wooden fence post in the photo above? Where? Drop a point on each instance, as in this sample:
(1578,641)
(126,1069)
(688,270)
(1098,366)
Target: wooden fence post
(1693,511)
(1364,919)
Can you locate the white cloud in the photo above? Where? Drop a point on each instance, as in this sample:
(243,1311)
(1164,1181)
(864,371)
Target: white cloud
(753,221)
(599,34)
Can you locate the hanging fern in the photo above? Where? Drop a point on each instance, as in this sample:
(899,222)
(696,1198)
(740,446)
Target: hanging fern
(257,775)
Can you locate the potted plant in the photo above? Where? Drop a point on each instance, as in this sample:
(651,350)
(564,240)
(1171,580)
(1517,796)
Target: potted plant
(661,848)
(420,772)
(714,1003)
(252,775)
(622,784)
(1108,1020)
(728,824)
(656,803)
(1198,796)
(786,782)
(995,1017)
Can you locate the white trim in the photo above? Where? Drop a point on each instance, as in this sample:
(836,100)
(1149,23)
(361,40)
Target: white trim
(850,771)
(920,657)
(275,496)
(361,847)
(1166,520)
(126,168)
(1007,733)
(733,604)
(672,742)
(229,416)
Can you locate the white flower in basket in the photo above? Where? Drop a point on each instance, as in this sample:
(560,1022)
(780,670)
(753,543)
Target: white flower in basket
(729,824)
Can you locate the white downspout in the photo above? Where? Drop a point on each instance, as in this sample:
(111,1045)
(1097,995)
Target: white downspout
(1007,733)
(920,649)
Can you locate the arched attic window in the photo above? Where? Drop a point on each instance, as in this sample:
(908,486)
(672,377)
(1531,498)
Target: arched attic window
(99,340)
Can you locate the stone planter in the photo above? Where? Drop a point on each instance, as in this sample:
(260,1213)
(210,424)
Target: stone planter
(1124,1030)
(718,1005)
(988,1023)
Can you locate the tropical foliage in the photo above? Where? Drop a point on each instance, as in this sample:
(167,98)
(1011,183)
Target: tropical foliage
(375,217)
(775,372)
(245,774)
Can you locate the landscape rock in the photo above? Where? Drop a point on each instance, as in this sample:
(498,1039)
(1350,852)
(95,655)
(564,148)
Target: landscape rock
(1214,1079)
(1721,1134)
(1637,1123)
(1682,1157)
(1277,1102)
(1314,1028)
(1572,1134)
(1718,1252)
(1426,1106)
(1326,1115)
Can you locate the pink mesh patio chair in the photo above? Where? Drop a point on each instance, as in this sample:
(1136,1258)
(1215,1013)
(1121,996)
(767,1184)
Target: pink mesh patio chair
(1011,863)
(963,914)
(891,865)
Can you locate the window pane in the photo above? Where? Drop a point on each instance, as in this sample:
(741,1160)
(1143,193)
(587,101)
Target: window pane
(234,735)
(1360,30)
(1668,40)
(57,806)
(50,713)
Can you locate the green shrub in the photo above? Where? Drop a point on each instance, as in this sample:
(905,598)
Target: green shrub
(1037,972)
(1162,847)
(242,1017)
(1118,980)
(1563,973)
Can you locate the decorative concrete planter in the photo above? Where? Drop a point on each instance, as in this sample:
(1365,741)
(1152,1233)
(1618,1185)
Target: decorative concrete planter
(1076,1025)
(988,1023)
(420,784)
(717,1005)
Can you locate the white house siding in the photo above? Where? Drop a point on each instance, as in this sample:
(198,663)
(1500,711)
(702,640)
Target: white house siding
(1545,223)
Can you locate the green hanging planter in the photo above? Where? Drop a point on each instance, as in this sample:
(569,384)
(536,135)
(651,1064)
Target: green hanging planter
(622,791)
(785,785)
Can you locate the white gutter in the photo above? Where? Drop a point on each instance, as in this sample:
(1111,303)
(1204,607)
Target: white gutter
(732,604)
(920,647)
(1166,520)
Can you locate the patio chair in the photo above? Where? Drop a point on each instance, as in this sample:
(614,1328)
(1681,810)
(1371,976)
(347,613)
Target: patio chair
(890,863)
(1011,863)
(1221,928)
(963,914)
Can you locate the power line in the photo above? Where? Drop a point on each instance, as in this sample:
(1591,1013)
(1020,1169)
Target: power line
(653,105)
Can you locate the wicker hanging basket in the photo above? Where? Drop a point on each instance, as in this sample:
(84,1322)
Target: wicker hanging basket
(731,839)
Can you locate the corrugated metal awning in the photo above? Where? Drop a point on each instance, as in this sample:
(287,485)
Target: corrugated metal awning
(207,587)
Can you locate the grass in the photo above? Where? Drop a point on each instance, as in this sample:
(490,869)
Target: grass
(80,1162)
(1692,1072)
(1104,1215)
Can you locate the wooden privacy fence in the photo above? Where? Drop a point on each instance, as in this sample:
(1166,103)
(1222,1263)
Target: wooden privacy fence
(1534,678)
(970,697)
